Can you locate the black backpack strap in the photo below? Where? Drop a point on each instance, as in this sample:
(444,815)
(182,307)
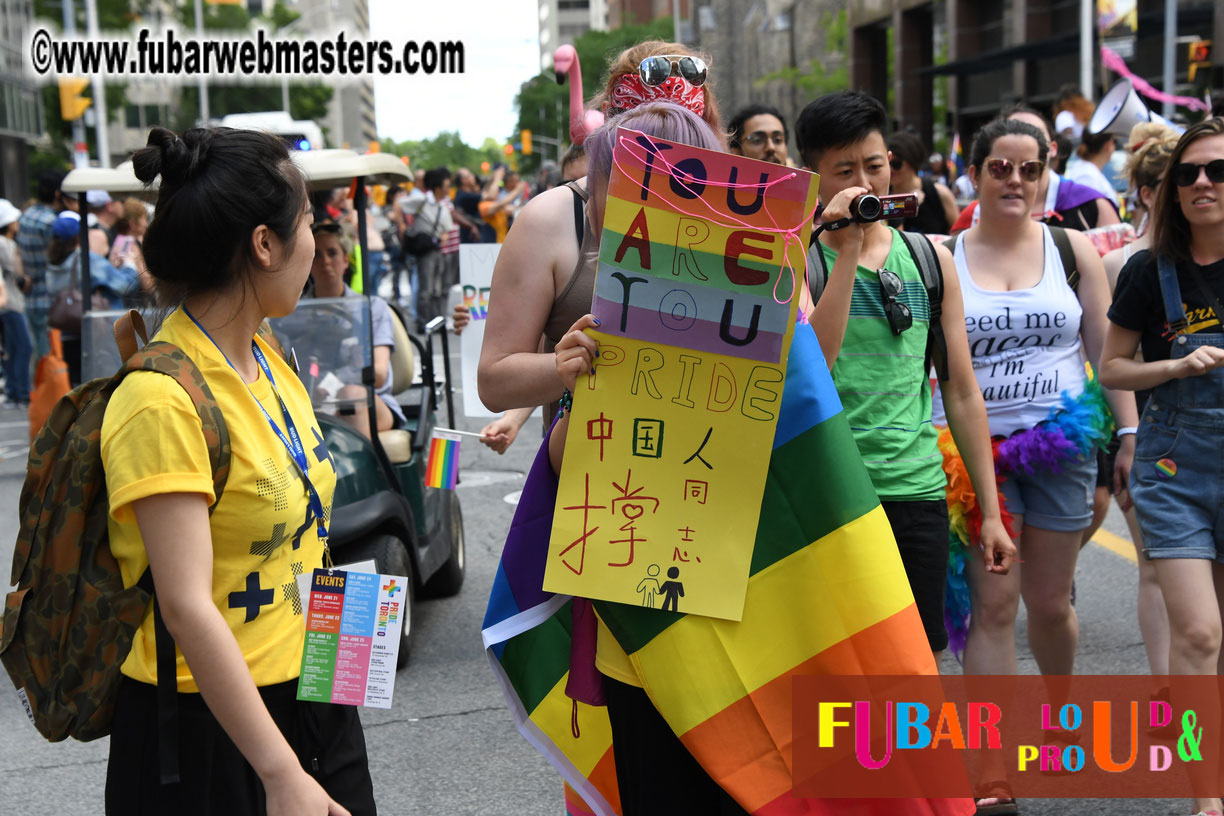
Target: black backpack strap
(580,197)
(923,253)
(1067,253)
(168,359)
(817,273)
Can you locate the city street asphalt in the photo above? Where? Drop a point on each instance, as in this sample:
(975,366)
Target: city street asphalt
(448,744)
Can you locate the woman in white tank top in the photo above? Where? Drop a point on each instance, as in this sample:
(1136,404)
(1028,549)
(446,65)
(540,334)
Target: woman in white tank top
(1026,329)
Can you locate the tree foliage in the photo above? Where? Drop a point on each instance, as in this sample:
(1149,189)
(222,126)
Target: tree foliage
(815,79)
(543,105)
(446,149)
(113,15)
(306,101)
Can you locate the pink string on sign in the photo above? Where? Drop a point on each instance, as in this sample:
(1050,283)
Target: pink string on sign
(723,219)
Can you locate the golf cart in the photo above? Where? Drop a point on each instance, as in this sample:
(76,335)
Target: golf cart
(382,509)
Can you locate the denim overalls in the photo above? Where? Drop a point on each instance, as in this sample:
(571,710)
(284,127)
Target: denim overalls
(1177,481)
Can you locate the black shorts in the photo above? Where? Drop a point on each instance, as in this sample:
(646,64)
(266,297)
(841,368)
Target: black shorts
(921,530)
(655,773)
(216,778)
(1105,464)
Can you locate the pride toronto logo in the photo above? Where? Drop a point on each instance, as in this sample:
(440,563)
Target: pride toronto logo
(1104,736)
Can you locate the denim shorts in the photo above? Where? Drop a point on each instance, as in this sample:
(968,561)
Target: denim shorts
(1061,501)
(1176,484)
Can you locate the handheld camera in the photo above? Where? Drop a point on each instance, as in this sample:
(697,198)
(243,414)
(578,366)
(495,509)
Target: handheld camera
(867,208)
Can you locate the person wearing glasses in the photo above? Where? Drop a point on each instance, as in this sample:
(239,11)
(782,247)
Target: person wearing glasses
(1168,302)
(937,210)
(544,279)
(656,71)
(758,132)
(1059,201)
(872,319)
(1029,333)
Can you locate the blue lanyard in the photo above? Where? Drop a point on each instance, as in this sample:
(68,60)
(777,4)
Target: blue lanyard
(292,443)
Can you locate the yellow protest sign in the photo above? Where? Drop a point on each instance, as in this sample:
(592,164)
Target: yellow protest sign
(670,437)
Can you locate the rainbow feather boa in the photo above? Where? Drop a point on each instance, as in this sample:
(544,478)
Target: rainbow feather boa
(1075,427)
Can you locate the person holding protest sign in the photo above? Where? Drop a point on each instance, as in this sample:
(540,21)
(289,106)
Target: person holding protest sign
(230,245)
(642,741)
(515,370)
(872,314)
(666,760)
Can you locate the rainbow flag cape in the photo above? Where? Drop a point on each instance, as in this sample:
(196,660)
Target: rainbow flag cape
(442,468)
(958,154)
(827,594)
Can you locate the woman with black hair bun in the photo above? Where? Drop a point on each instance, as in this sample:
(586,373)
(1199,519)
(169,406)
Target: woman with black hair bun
(230,245)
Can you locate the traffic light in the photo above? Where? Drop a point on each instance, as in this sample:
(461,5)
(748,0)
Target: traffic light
(72,104)
(525,137)
(508,150)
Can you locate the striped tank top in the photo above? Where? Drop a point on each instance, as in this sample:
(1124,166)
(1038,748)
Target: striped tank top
(883,384)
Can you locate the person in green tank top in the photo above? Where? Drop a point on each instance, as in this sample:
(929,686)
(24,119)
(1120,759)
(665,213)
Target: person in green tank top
(872,319)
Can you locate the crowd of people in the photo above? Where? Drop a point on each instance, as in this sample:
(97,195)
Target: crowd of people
(40,260)
(1032,354)
(1060,379)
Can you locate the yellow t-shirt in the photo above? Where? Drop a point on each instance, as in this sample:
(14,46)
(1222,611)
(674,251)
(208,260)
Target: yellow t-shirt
(263,532)
(499,221)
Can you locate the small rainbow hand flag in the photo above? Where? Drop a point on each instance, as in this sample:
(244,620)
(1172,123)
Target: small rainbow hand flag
(442,469)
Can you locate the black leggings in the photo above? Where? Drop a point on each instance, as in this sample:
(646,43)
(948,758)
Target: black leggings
(216,778)
(654,771)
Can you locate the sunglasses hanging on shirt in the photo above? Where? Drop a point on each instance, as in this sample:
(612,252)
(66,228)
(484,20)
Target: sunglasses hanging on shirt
(899,315)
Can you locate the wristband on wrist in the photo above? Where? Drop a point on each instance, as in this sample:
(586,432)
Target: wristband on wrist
(1128,431)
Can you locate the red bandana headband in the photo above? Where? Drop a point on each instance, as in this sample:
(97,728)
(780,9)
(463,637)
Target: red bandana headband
(629,91)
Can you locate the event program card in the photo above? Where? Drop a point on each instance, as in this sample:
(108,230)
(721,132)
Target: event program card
(353,623)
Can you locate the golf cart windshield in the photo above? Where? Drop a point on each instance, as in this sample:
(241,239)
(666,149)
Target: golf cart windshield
(330,336)
(330,340)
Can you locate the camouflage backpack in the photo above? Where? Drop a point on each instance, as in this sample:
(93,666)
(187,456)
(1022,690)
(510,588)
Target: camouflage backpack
(69,624)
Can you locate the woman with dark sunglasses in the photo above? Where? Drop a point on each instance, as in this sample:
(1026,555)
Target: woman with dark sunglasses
(1168,303)
(1029,330)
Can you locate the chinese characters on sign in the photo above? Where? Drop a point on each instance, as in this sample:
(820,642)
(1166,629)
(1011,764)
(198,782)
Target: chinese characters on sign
(670,436)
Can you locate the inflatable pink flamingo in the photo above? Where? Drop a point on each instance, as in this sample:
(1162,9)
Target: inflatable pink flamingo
(582,121)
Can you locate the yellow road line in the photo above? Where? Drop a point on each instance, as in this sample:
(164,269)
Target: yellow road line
(1115,544)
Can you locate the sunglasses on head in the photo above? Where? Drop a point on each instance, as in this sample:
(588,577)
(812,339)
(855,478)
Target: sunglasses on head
(1001,169)
(1186,174)
(657,70)
(899,315)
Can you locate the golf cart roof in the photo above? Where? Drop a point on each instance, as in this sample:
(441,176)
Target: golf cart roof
(121,179)
(324,169)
